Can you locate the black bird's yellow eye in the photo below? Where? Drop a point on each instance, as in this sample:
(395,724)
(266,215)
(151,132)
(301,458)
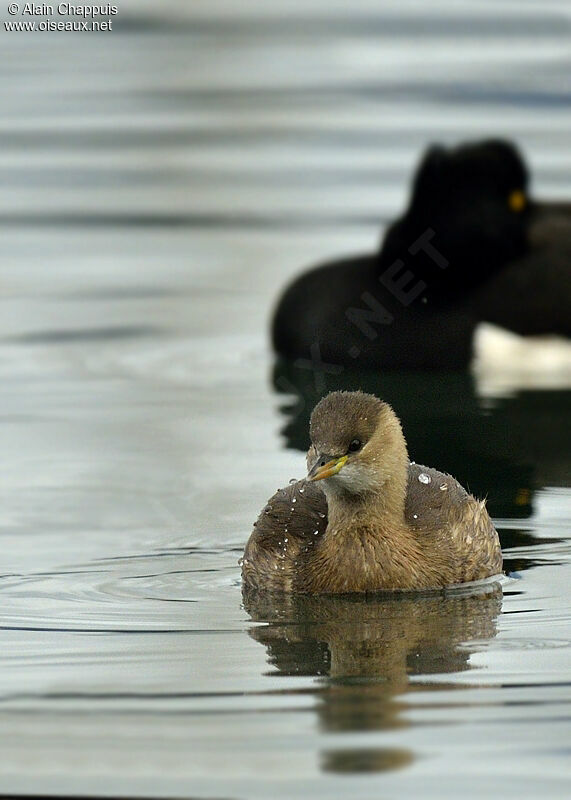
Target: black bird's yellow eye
(517,200)
(354,446)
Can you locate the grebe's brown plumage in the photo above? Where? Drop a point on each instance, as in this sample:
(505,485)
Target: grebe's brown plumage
(366,519)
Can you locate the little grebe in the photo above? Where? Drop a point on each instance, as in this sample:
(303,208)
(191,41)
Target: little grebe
(378,522)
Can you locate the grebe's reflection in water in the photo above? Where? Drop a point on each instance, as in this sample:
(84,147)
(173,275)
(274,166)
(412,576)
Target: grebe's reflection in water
(366,649)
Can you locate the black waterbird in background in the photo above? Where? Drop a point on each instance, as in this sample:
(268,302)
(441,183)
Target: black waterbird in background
(472,246)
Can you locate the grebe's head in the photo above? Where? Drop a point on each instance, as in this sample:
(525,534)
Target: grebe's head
(357,444)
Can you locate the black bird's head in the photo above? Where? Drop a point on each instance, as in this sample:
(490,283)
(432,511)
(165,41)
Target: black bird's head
(475,199)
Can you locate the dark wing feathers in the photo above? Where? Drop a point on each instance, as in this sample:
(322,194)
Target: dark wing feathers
(431,497)
(446,516)
(285,526)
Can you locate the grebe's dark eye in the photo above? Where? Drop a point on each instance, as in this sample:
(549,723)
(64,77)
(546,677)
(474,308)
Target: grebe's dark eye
(355,445)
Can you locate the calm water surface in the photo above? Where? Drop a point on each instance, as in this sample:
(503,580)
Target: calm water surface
(159,185)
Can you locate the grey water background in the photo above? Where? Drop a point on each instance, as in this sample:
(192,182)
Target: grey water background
(158,185)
